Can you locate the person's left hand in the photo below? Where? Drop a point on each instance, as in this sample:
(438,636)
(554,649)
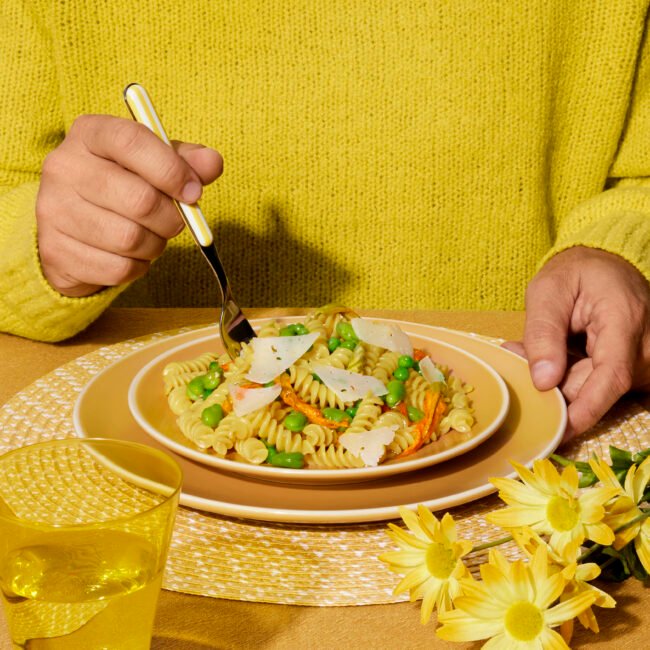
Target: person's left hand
(589,291)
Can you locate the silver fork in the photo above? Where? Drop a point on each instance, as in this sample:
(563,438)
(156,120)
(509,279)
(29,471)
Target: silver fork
(233,326)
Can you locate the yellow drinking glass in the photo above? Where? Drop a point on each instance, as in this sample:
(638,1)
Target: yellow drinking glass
(85,526)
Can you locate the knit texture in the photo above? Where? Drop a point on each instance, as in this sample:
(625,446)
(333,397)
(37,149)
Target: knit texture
(392,154)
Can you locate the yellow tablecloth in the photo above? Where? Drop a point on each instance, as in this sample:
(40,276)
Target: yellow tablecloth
(187,622)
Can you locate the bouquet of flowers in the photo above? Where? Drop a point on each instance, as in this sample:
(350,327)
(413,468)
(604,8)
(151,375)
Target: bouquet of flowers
(572,526)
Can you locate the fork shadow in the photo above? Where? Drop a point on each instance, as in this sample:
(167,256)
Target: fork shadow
(268,267)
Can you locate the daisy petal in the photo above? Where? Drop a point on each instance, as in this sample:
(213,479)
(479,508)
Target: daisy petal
(515,516)
(403,558)
(551,640)
(569,608)
(512,491)
(549,590)
(456,626)
(412,580)
(429,601)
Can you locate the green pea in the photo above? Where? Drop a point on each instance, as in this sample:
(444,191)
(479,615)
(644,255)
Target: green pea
(195,388)
(271,449)
(290,459)
(415,415)
(401,373)
(215,367)
(406,361)
(336,415)
(207,392)
(346,331)
(397,388)
(350,344)
(301,330)
(316,378)
(392,400)
(211,380)
(191,395)
(288,330)
(416,366)
(212,415)
(352,411)
(295,421)
(333,343)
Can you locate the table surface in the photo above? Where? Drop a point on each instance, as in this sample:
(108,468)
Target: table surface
(186,622)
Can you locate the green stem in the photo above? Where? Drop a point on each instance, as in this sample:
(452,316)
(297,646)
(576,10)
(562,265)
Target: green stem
(496,542)
(596,547)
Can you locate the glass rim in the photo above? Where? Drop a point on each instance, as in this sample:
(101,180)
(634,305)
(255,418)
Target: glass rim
(41,525)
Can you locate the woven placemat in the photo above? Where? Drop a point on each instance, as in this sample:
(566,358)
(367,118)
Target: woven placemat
(213,555)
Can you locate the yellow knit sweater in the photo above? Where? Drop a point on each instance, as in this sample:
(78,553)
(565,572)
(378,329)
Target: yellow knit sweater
(389,154)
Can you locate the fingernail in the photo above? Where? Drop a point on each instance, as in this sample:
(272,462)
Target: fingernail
(191,192)
(543,373)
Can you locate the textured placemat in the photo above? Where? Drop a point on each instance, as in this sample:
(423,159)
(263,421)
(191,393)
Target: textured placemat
(237,559)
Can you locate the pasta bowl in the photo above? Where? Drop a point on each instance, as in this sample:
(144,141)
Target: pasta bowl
(489,401)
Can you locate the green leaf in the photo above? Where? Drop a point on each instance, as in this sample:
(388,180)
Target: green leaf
(621,459)
(640,456)
(561,460)
(587,479)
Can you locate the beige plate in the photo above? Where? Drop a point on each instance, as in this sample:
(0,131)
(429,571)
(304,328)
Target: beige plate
(490,401)
(532,429)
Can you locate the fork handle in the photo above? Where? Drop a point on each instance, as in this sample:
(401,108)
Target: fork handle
(141,108)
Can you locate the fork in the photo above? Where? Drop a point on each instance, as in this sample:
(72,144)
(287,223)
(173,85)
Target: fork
(233,325)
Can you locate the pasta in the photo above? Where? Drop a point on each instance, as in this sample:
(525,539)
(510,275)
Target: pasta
(326,389)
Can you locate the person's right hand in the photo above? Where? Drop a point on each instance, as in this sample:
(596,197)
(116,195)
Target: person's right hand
(104,210)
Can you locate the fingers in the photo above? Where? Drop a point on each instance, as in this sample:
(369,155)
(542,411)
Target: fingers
(549,305)
(108,231)
(599,382)
(86,268)
(105,192)
(206,162)
(136,148)
(107,185)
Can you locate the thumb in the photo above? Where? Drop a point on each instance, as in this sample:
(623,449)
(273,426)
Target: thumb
(549,305)
(206,162)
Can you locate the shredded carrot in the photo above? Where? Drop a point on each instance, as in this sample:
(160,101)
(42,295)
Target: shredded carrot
(313,413)
(418,354)
(423,429)
(435,421)
(401,407)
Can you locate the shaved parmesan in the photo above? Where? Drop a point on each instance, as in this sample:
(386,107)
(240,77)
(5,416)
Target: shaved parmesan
(272,355)
(369,445)
(349,386)
(383,335)
(247,400)
(430,372)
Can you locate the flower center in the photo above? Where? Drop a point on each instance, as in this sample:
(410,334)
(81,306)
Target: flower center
(440,561)
(523,621)
(562,513)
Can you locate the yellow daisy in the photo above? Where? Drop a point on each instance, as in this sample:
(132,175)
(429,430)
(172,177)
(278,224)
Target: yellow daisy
(551,503)
(511,606)
(430,558)
(578,578)
(624,509)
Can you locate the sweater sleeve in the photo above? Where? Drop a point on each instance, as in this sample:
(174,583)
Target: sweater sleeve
(31,126)
(618,219)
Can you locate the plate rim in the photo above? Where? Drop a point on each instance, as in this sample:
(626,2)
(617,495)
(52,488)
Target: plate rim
(318,476)
(335,516)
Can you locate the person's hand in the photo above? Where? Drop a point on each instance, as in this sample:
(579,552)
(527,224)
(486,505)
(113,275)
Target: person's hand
(103,208)
(589,291)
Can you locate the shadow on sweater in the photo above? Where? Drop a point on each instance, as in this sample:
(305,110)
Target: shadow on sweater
(266,268)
